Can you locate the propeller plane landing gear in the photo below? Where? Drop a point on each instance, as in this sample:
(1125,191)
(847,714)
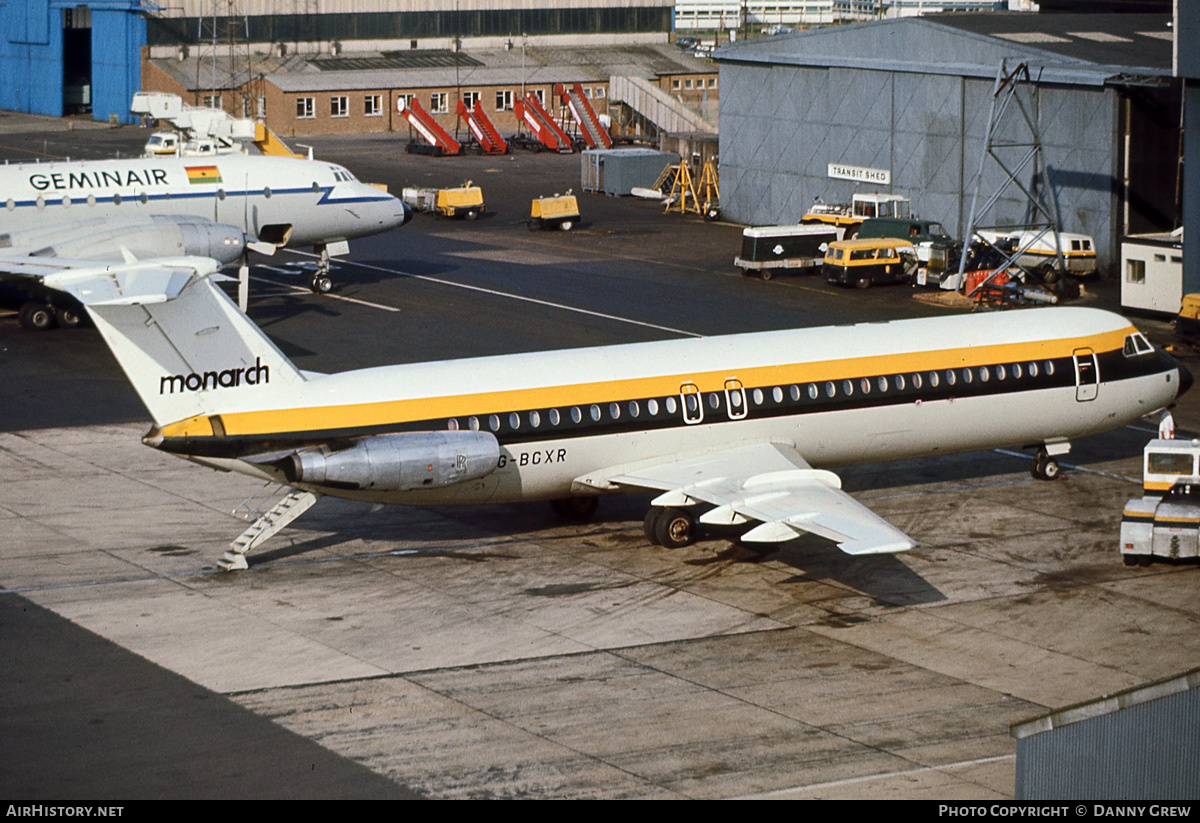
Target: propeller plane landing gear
(322,283)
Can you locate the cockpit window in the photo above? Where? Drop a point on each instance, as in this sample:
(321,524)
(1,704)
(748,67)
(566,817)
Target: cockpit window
(1136,344)
(341,175)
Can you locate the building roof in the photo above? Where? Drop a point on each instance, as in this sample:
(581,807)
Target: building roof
(353,71)
(1078,49)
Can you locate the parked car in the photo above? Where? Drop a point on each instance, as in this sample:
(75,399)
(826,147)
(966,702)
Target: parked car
(863,263)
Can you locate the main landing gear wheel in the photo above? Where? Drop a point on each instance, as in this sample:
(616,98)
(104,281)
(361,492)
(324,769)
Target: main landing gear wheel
(675,528)
(68,318)
(1045,467)
(575,508)
(321,284)
(650,525)
(36,316)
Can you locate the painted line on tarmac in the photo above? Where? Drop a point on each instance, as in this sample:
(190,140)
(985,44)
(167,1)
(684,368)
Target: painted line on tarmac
(496,293)
(302,290)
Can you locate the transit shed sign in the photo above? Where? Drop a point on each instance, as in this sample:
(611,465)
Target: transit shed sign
(860,174)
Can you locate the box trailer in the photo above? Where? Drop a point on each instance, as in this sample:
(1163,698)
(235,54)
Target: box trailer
(766,249)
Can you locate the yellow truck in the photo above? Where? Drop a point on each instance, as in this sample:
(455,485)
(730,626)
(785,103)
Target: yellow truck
(558,212)
(465,201)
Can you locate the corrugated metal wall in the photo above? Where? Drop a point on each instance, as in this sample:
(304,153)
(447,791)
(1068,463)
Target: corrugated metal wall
(1150,751)
(782,125)
(31,57)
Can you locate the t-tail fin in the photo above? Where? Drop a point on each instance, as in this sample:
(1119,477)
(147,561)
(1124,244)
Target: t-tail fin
(185,346)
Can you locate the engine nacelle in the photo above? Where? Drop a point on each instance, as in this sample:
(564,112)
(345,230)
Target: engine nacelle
(397,462)
(143,237)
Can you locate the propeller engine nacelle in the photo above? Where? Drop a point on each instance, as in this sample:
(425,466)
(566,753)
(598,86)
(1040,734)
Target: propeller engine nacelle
(396,462)
(142,237)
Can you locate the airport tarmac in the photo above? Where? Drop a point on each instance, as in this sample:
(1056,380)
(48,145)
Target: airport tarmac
(488,652)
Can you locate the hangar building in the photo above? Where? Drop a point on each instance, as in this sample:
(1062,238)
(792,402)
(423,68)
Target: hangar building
(911,96)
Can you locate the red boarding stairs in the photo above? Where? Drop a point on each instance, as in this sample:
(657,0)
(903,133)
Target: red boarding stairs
(542,124)
(440,141)
(482,127)
(594,133)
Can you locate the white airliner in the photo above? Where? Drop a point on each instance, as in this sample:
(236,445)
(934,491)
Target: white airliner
(148,208)
(736,430)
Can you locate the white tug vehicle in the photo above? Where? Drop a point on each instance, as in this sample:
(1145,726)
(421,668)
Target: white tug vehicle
(1165,521)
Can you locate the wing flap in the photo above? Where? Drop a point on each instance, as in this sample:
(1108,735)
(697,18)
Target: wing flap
(770,483)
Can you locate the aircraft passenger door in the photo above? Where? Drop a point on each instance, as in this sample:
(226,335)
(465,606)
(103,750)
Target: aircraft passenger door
(1087,375)
(689,400)
(735,399)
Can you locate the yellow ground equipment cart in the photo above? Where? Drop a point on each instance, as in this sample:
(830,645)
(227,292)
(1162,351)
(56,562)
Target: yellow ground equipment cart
(465,201)
(558,212)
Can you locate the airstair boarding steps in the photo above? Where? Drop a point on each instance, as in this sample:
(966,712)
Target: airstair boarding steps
(483,128)
(265,527)
(594,133)
(542,124)
(424,124)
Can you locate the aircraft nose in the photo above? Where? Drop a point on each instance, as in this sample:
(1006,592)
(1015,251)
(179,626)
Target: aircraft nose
(1185,379)
(406,215)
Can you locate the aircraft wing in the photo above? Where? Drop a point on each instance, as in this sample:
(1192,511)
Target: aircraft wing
(96,283)
(765,482)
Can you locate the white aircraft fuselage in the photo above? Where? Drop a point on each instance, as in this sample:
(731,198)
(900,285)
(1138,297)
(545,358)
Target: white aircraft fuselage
(321,202)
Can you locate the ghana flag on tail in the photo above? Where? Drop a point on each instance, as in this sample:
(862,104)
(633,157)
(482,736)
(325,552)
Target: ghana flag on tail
(203,174)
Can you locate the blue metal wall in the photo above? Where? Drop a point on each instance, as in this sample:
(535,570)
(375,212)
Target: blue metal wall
(31,55)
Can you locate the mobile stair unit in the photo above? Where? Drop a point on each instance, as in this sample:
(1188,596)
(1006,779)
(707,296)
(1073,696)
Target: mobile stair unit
(547,132)
(438,140)
(489,139)
(593,131)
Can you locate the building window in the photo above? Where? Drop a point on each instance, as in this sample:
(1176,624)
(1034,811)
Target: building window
(600,92)
(373,105)
(439,102)
(675,84)
(687,84)
(587,92)
(406,99)
(540,94)
(212,101)
(504,101)
(470,99)
(339,106)
(306,108)
(261,104)
(712,82)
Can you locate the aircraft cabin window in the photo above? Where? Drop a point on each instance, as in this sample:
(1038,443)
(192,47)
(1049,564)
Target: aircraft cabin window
(535,419)
(984,374)
(757,397)
(967,375)
(116,199)
(473,422)
(452,424)
(848,387)
(794,391)
(554,417)
(595,413)
(652,406)
(864,386)
(1016,371)
(66,201)
(813,391)
(735,399)
(220,195)
(1033,369)
(883,384)
(830,389)
(1049,367)
(1001,373)
(634,409)
(494,422)
(900,384)
(91,201)
(951,379)
(576,415)
(316,188)
(671,406)
(41,202)
(11,204)
(714,401)
(267,192)
(614,411)
(514,421)
(777,394)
